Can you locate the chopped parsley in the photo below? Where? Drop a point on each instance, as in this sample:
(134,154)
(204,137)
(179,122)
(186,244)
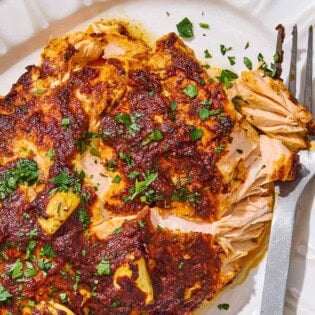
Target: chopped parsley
(25,171)
(117,231)
(205,113)
(246,45)
(126,157)
(191,91)
(38,91)
(248,63)
(195,134)
(65,123)
(63,297)
(231,60)
(30,271)
(185,28)
(44,266)
(204,25)
(224,49)
(223,306)
(219,149)
(207,54)
(29,249)
(51,154)
(4,294)
(130,121)
(133,175)
(115,303)
(111,165)
(103,268)
(141,224)
(151,93)
(272,71)
(140,186)
(173,106)
(16,270)
(116,179)
(84,217)
(180,265)
(155,135)
(64,182)
(47,251)
(226,77)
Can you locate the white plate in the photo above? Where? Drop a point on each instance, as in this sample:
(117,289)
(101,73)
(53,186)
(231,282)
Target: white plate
(25,26)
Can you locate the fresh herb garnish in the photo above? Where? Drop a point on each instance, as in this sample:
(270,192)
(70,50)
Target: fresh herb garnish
(38,91)
(185,28)
(25,171)
(224,49)
(103,268)
(65,122)
(195,134)
(16,270)
(116,179)
(133,175)
(246,45)
(141,224)
(223,306)
(155,135)
(117,231)
(191,91)
(130,121)
(64,182)
(47,251)
(115,303)
(30,271)
(51,154)
(231,60)
(226,77)
(219,149)
(84,217)
(151,93)
(248,63)
(29,249)
(207,54)
(180,265)
(126,157)
(111,165)
(5,295)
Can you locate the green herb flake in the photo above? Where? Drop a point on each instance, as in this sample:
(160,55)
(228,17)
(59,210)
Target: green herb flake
(204,113)
(206,66)
(219,149)
(260,57)
(276,58)
(25,171)
(151,93)
(191,91)
(180,265)
(117,231)
(4,294)
(204,25)
(65,122)
(223,306)
(63,297)
(111,165)
(31,303)
(167,13)
(84,217)
(185,28)
(140,186)
(248,63)
(116,179)
(126,157)
(195,134)
(133,175)
(83,252)
(47,251)
(226,77)
(130,121)
(141,224)
(30,271)
(123,118)
(51,154)
(207,54)
(224,49)
(95,152)
(231,60)
(155,135)
(29,249)
(246,45)
(16,270)
(103,268)
(115,303)
(173,106)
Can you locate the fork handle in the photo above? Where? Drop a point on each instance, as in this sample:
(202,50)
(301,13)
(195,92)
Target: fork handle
(280,243)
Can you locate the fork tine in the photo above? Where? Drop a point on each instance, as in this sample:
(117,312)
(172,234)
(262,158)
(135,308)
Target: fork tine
(279,50)
(309,69)
(292,74)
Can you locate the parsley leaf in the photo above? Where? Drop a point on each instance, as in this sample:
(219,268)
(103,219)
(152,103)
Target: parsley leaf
(204,25)
(16,270)
(191,91)
(248,63)
(30,271)
(231,60)
(51,154)
(155,135)
(195,134)
(185,28)
(65,123)
(224,49)
(47,251)
(25,171)
(111,165)
(126,157)
(103,268)
(223,306)
(207,54)
(4,294)
(129,121)
(116,179)
(219,149)
(140,186)
(226,77)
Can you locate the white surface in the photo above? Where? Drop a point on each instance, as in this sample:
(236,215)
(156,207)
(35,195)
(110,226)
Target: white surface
(25,26)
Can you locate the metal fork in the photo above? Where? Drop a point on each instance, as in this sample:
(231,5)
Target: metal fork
(278,258)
